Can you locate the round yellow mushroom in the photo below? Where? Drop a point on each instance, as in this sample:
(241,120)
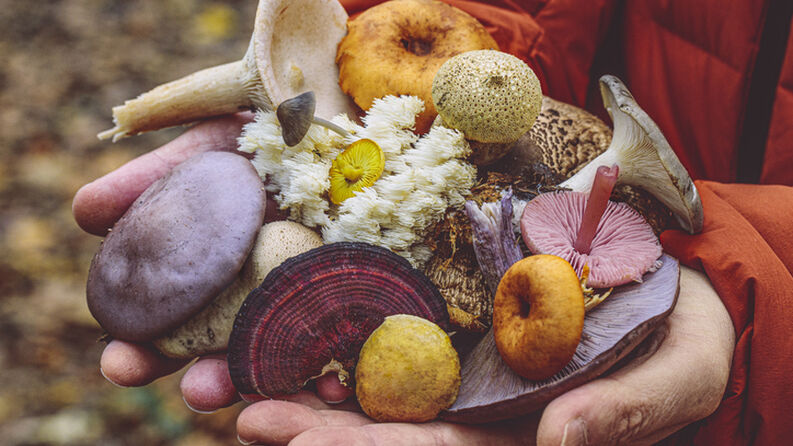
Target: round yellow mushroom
(357,167)
(407,371)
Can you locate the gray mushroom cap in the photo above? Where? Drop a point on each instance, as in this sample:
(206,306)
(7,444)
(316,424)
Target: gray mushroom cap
(177,247)
(644,156)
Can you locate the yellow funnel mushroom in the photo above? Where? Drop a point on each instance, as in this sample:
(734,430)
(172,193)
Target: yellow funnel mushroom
(357,167)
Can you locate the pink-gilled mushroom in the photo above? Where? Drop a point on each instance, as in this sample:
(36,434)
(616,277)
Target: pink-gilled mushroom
(292,50)
(644,157)
(611,238)
(312,314)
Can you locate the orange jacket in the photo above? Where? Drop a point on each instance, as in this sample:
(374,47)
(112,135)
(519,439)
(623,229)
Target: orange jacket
(717,79)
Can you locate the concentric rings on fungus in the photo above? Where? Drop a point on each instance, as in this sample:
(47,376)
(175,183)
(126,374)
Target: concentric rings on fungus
(312,314)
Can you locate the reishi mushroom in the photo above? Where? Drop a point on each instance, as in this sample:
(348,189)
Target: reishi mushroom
(292,50)
(491,96)
(179,245)
(644,156)
(313,313)
(616,242)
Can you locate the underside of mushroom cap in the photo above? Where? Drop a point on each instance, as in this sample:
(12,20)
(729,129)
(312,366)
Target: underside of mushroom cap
(317,309)
(644,156)
(294,47)
(623,249)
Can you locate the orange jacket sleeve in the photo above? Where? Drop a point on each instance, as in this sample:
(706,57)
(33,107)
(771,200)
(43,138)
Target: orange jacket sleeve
(746,249)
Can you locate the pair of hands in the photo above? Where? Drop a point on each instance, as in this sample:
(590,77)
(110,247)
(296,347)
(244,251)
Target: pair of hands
(677,376)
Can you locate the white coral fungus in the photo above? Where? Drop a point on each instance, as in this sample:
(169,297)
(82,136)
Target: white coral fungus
(423,176)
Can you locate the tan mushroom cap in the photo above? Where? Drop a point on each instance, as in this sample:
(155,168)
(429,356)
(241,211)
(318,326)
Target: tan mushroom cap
(489,95)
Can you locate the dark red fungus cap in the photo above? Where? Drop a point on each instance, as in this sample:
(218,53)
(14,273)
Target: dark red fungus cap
(179,245)
(320,306)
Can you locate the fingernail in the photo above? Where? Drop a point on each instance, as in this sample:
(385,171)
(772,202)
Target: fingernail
(202,412)
(102,372)
(246,443)
(574,433)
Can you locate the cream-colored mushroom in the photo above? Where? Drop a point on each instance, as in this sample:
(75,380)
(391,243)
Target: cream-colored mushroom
(491,96)
(644,157)
(292,50)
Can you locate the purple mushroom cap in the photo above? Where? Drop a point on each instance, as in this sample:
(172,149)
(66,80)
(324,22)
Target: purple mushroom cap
(177,247)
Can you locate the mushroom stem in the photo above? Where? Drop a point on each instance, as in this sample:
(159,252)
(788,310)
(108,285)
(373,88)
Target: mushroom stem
(330,126)
(215,91)
(596,203)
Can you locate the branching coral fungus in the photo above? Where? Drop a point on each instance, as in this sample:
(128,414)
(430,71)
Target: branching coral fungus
(422,178)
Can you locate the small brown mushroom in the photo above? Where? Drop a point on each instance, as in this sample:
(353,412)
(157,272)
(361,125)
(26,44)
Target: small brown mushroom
(313,313)
(296,116)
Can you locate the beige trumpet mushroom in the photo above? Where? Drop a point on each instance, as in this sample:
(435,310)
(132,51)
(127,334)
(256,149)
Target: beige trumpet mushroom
(292,50)
(644,157)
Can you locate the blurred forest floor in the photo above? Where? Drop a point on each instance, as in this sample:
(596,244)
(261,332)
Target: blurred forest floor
(65,64)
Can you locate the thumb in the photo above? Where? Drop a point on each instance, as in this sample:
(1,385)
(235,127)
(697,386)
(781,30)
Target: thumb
(679,380)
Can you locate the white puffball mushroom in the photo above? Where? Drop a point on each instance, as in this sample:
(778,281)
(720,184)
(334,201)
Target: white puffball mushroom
(208,332)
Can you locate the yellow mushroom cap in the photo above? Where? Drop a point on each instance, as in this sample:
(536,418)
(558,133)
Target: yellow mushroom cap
(358,166)
(489,95)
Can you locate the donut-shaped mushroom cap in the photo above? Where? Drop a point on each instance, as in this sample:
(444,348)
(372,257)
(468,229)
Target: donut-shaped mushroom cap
(623,249)
(177,247)
(490,96)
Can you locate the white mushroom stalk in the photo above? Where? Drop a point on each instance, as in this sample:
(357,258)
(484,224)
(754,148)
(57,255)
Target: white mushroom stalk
(292,50)
(644,157)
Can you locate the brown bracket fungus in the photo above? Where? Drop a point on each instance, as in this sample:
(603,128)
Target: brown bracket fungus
(644,156)
(296,116)
(293,49)
(611,238)
(491,391)
(313,313)
(177,247)
(492,97)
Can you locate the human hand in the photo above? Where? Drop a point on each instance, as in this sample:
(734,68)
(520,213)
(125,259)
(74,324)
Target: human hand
(676,377)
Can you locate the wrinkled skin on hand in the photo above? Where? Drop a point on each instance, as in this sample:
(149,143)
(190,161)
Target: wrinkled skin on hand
(677,376)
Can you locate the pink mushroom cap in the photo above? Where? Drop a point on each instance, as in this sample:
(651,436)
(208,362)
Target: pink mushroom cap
(623,249)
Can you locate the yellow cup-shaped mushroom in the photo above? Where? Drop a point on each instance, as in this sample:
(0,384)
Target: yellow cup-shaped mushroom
(357,167)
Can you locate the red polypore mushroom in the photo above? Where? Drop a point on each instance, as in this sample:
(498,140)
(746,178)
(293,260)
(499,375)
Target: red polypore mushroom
(588,229)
